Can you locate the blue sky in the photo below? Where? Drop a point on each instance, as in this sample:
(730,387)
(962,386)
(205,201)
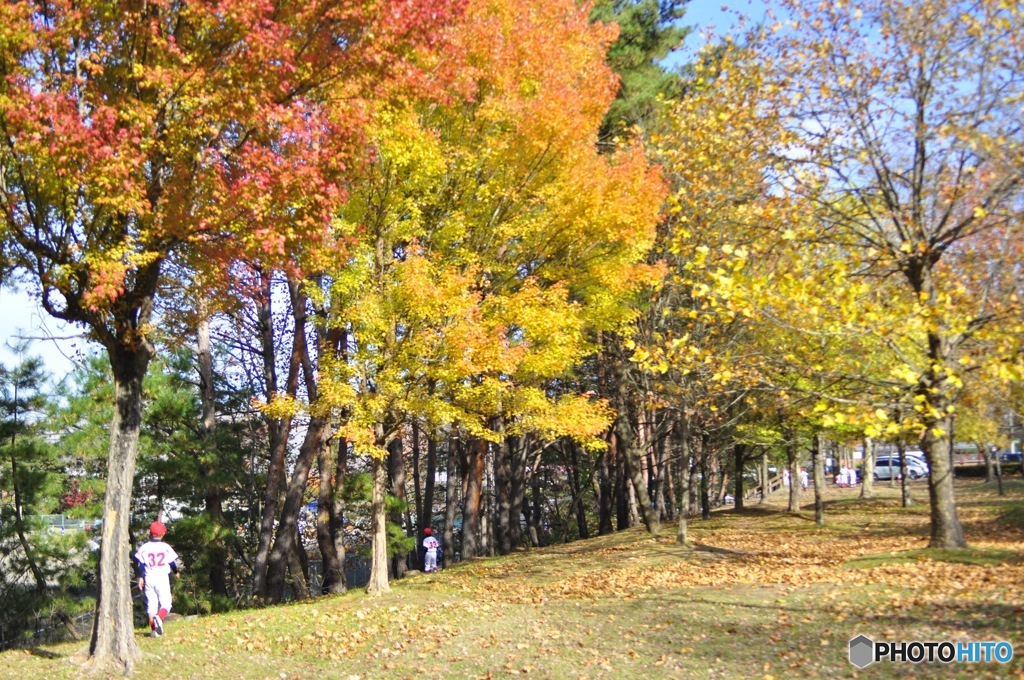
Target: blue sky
(21,316)
(718,17)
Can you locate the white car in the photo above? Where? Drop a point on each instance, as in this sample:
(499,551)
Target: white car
(888,467)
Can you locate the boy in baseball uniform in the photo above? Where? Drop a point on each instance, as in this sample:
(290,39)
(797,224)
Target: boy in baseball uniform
(430,546)
(156,561)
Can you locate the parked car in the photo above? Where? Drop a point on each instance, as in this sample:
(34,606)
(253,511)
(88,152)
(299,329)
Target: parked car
(888,467)
(1010,457)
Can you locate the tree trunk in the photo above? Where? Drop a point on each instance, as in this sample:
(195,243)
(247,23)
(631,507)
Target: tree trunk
(536,515)
(867,487)
(904,476)
(705,478)
(631,455)
(576,489)
(664,481)
(396,478)
(793,459)
(333,570)
(378,583)
(334,565)
(428,492)
(317,434)
(417,482)
(605,491)
(694,485)
(764,477)
(279,431)
(671,506)
(819,479)
(947,531)
(503,491)
(520,454)
(681,438)
(740,452)
(999,471)
(451,478)
(216,550)
(112,644)
(475,459)
(990,470)
(19,520)
(338,515)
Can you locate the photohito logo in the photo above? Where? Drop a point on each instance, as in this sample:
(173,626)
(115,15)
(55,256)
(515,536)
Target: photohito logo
(864,651)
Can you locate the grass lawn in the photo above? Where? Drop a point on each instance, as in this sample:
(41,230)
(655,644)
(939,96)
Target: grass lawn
(761,594)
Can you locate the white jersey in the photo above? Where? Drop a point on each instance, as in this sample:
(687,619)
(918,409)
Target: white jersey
(430,543)
(155,558)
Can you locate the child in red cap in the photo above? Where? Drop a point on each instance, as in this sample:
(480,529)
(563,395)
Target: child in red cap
(430,545)
(156,561)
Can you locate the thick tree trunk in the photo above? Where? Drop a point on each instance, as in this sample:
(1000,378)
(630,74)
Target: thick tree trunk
(396,478)
(334,560)
(867,487)
(337,583)
(793,460)
(378,583)
(520,454)
(317,434)
(947,531)
(937,395)
(475,459)
(503,491)
(740,453)
(817,459)
(990,468)
(333,570)
(113,633)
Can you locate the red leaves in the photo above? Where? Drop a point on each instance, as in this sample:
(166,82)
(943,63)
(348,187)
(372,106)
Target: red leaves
(219,130)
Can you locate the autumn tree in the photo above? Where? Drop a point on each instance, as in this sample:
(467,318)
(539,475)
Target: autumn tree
(908,144)
(486,236)
(135,134)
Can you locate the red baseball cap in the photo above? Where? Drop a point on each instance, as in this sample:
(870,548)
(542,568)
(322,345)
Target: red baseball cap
(427,531)
(157,529)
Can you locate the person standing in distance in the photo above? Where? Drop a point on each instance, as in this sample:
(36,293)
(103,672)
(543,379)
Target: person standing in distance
(430,545)
(156,562)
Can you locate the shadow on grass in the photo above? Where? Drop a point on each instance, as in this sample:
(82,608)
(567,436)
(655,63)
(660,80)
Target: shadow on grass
(44,653)
(975,556)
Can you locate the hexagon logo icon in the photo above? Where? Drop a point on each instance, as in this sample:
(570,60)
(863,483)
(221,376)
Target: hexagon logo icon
(862,651)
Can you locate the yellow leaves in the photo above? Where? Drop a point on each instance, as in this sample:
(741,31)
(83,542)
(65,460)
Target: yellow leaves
(281,406)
